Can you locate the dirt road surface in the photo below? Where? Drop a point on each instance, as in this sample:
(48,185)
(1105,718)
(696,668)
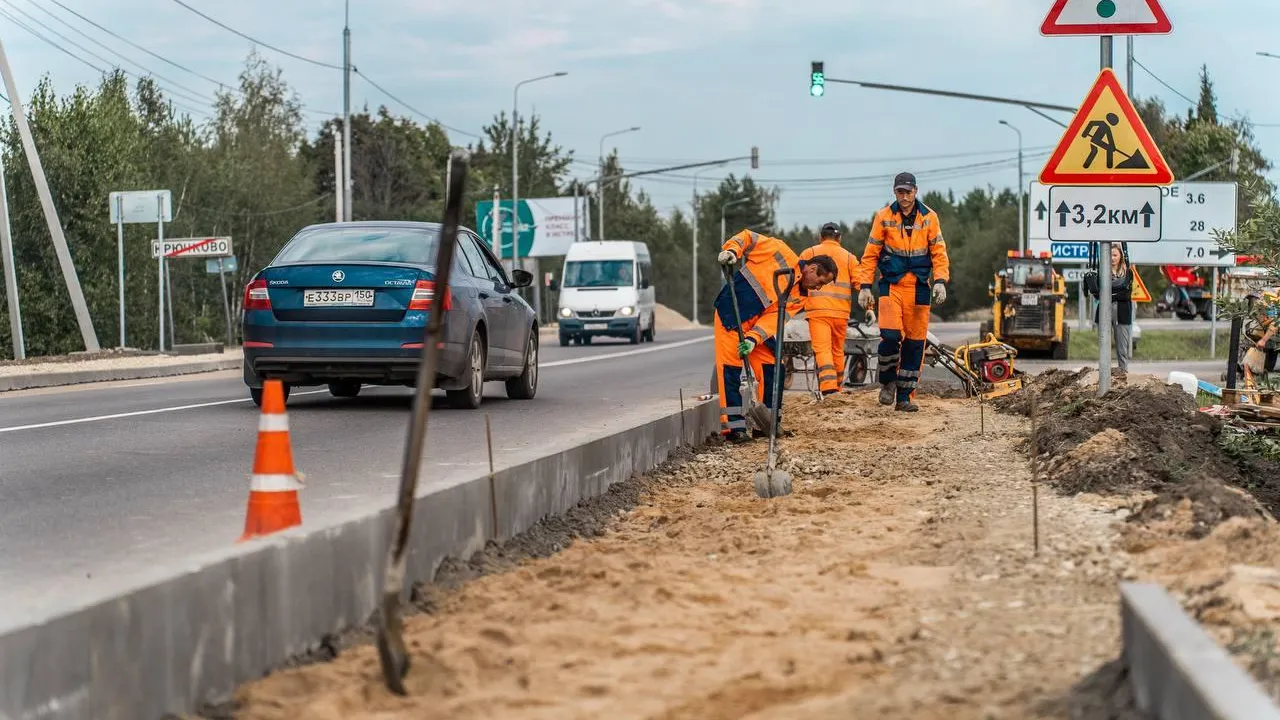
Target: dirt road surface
(898,581)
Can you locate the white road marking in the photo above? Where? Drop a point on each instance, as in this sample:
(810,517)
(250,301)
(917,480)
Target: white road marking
(215,403)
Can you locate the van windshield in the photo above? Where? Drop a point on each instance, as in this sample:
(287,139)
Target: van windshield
(599,273)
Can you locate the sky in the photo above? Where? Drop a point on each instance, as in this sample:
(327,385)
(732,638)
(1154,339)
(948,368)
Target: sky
(702,79)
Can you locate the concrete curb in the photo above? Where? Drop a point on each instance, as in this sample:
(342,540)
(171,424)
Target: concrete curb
(1176,670)
(197,633)
(76,377)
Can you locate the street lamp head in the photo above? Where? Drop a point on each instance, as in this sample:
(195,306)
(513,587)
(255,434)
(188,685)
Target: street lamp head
(1004,122)
(633,129)
(560,74)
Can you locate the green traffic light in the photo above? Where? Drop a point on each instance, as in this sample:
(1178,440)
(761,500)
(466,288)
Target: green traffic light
(817,90)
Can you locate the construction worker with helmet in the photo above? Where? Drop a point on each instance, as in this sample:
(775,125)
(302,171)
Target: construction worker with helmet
(828,310)
(752,285)
(907,248)
(1259,339)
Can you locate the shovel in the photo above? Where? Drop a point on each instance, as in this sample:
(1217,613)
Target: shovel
(753,410)
(772,482)
(392,652)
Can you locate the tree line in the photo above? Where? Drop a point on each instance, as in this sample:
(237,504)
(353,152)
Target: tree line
(254,172)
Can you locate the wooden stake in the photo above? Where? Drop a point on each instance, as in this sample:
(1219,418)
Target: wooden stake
(682,433)
(493,488)
(1035,475)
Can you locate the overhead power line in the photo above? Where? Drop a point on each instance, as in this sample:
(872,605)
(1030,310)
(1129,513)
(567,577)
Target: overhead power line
(786,162)
(411,108)
(1175,91)
(256,41)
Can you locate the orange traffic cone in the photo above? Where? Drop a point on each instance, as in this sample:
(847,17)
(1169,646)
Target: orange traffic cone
(273,487)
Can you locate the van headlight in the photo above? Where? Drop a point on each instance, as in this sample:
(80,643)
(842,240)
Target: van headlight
(627,310)
(566,312)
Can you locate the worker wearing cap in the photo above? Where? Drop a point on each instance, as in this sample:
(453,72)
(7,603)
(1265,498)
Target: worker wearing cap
(757,301)
(1261,338)
(828,310)
(907,249)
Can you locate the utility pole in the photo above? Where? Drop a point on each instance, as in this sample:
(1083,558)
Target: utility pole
(83,320)
(346,114)
(339,185)
(11,274)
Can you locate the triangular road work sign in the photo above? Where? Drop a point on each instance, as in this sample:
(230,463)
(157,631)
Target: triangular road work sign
(1106,17)
(1139,292)
(1106,143)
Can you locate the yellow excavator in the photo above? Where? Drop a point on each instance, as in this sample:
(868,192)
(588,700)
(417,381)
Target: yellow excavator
(1029,306)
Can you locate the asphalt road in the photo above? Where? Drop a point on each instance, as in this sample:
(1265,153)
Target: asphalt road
(102,485)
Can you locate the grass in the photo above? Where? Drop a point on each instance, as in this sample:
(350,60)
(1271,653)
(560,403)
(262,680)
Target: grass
(1155,345)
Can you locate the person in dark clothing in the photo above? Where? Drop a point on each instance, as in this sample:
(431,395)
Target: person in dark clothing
(1121,304)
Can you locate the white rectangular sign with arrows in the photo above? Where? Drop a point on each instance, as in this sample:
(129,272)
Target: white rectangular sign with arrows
(1191,212)
(1086,213)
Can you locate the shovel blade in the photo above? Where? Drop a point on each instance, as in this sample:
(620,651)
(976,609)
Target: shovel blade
(772,483)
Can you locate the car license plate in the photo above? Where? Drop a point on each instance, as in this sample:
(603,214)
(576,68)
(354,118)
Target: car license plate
(337,298)
(597,326)
(1030,299)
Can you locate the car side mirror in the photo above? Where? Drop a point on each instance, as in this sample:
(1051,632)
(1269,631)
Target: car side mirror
(554,285)
(644,284)
(521,278)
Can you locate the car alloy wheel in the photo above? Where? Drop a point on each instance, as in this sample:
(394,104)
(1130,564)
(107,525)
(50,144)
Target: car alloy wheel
(477,371)
(531,362)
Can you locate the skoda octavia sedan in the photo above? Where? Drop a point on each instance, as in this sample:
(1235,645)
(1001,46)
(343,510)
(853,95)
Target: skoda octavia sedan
(346,305)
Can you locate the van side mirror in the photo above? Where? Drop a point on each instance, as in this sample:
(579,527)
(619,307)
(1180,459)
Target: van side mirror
(553,284)
(644,284)
(521,278)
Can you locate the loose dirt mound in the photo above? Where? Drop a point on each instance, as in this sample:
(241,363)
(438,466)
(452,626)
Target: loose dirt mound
(668,319)
(1143,435)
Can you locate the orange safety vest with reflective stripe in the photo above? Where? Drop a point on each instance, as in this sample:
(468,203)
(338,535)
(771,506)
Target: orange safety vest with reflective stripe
(834,300)
(760,256)
(905,259)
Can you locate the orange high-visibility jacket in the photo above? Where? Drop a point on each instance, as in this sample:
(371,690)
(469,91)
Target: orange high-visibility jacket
(761,256)
(903,259)
(834,300)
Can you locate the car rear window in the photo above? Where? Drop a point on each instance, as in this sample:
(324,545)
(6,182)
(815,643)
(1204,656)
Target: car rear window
(396,245)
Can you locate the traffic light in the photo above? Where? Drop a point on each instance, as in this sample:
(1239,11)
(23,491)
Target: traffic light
(755,157)
(817,80)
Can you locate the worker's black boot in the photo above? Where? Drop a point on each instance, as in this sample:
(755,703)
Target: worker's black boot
(888,393)
(907,406)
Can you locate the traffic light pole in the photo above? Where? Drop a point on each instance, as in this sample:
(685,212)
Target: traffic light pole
(1032,106)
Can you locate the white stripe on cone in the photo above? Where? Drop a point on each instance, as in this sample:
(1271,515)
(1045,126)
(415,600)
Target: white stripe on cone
(274,482)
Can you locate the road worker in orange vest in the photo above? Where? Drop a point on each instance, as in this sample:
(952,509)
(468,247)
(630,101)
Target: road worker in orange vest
(828,310)
(757,302)
(907,248)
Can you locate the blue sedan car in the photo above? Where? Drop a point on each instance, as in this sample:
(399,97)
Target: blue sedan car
(346,304)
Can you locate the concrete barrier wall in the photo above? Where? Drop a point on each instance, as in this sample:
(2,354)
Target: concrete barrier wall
(194,637)
(1178,672)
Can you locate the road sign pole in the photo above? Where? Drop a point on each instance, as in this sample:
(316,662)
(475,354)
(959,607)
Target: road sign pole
(10,273)
(168,300)
(1104,278)
(160,278)
(226,298)
(120,261)
(1213,318)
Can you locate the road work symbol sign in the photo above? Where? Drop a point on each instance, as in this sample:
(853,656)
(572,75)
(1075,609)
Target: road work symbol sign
(1106,143)
(1139,292)
(1106,17)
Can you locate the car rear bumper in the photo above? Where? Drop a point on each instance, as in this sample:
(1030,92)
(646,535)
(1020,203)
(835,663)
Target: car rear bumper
(614,326)
(318,366)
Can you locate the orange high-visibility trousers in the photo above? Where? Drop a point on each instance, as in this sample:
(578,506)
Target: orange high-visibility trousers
(826,334)
(904,327)
(729,373)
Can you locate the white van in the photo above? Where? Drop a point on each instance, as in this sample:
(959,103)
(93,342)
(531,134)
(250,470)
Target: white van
(606,289)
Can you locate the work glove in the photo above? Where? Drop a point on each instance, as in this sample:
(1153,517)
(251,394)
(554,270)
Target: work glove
(727,257)
(864,297)
(939,293)
(745,347)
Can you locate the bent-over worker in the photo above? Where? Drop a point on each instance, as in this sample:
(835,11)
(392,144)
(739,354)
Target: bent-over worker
(752,285)
(907,248)
(828,310)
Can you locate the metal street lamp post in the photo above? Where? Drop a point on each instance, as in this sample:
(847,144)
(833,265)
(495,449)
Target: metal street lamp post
(600,174)
(1022,226)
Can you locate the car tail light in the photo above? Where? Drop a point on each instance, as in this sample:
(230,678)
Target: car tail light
(256,297)
(424,293)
